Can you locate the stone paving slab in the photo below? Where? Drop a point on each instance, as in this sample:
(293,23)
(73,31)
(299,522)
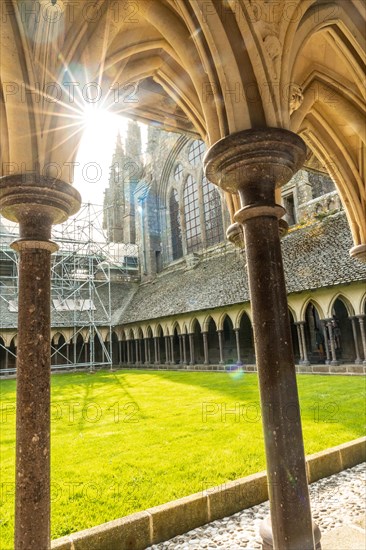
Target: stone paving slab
(344,538)
(338,506)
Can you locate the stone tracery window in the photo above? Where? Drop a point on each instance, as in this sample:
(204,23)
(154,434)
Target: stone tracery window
(192,215)
(178,172)
(196,152)
(212,213)
(196,217)
(177,247)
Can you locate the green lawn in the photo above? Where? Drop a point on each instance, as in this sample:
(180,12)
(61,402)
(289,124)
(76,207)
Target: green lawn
(126,441)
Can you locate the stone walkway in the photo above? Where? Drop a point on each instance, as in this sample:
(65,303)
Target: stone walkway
(338,505)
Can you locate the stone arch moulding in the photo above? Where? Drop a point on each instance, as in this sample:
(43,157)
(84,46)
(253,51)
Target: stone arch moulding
(220,323)
(246,310)
(9,338)
(315,304)
(55,337)
(346,302)
(362,305)
(206,322)
(331,116)
(193,323)
(175,325)
(293,312)
(158,330)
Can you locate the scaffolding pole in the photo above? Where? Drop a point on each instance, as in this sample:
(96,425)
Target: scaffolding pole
(81,305)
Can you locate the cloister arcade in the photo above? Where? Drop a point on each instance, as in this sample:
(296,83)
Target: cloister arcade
(326,328)
(258,85)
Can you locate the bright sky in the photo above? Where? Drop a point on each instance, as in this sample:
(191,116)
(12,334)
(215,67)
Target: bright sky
(95,153)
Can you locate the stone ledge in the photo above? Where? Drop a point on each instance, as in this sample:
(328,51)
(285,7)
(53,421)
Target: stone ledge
(142,529)
(178,517)
(344,370)
(129,533)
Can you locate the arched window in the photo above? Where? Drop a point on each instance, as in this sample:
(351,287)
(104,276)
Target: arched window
(192,215)
(196,152)
(178,172)
(176,232)
(212,213)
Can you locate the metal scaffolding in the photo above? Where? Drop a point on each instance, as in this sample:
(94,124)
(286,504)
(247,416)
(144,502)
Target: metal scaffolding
(81,307)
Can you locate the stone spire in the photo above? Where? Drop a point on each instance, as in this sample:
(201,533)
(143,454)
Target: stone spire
(133,141)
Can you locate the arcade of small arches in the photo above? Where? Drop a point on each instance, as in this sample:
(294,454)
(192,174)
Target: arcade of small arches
(328,329)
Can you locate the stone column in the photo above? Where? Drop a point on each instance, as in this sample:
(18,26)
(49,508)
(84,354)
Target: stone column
(361,320)
(184,349)
(304,348)
(74,340)
(205,348)
(128,352)
(146,352)
(166,350)
(358,360)
(219,334)
(237,339)
(326,343)
(137,358)
(156,343)
(36,203)
(149,350)
(299,339)
(253,163)
(334,361)
(140,351)
(191,348)
(180,349)
(172,358)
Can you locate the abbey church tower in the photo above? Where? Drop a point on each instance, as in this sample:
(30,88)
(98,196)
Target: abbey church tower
(119,197)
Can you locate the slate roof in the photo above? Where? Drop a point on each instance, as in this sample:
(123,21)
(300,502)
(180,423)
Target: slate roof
(314,256)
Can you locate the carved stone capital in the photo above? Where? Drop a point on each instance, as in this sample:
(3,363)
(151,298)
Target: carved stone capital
(254,159)
(37,203)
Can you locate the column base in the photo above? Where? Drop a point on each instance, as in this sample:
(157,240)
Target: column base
(265,532)
(305,363)
(359,362)
(335,363)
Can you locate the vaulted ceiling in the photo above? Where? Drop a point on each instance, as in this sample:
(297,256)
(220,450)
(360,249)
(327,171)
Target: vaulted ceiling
(202,67)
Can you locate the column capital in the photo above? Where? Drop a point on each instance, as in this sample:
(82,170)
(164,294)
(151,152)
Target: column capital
(266,157)
(36,203)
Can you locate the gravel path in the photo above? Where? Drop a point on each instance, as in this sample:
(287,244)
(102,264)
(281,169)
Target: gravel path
(336,500)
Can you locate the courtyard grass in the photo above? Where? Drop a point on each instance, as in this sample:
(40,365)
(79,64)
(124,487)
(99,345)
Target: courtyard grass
(125,441)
